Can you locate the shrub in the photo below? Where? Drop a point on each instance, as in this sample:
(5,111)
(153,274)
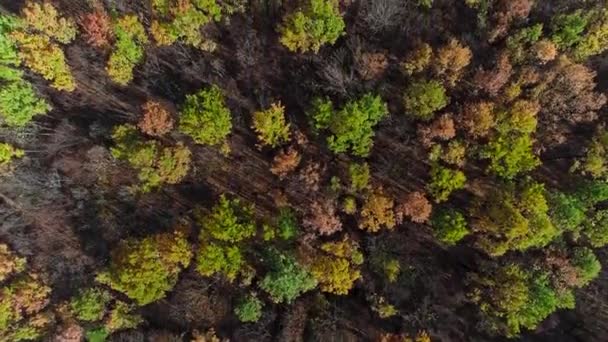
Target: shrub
(285,162)
(157,120)
(423,98)
(10,263)
(377,212)
(90,304)
(97,28)
(352,127)
(229,221)
(128,49)
(359,176)
(249,309)
(287,224)
(121,317)
(8,153)
(514,217)
(205,118)
(155,166)
(381,306)
(444,181)
(594,162)
(270,125)
(322,218)
(449,226)
(418,60)
(215,258)
(336,269)
(286,279)
(317,23)
(46,58)
(45,19)
(596,229)
(146,269)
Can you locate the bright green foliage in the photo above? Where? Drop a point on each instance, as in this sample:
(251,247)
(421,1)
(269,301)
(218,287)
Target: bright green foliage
(156,166)
(595,41)
(45,19)
(128,49)
(587,265)
(337,268)
(270,125)
(444,181)
(121,317)
(594,162)
(449,226)
(90,304)
(596,229)
(21,303)
(568,29)
(359,176)
(183,20)
(8,152)
(146,269)
(510,299)
(286,279)
(97,335)
(510,148)
(229,221)
(19,103)
(567,211)
(591,193)
(249,309)
(205,117)
(514,217)
(214,258)
(423,98)
(352,127)
(317,23)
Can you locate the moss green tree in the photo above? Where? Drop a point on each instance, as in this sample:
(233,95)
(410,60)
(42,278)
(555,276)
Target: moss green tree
(359,176)
(444,181)
(352,127)
(270,125)
(128,51)
(249,309)
(8,153)
(423,98)
(449,226)
(146,269)
(316,23)
(122,317)
(286,279)
(205,118)
(90,304)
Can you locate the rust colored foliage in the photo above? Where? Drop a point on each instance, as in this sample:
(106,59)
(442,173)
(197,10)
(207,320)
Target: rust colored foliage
(323,218)
(97,28)
(285,162)
(69,333)
(477,118)
(545,50)
(157,120)
(311,176)
(491,81)
(415,206)
(377,212)
(451,60)
(372,65)
(442,128)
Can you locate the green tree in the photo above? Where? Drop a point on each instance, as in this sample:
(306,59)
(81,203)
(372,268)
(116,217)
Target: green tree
(594,162)
(568,28)
(352,127)
(587,265)
(286,279)
(359,176)
(270,125)
(567,211)
(423,98)
(249,309)
(128,51)
(449,226)
(121,317)
(90,304)
(156,166)
(595,41)
(146,269)
(229,221)
(444,181)
(216,258)
(45,19)
(513,217)
(596,229)
(205,118)
(315,24)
